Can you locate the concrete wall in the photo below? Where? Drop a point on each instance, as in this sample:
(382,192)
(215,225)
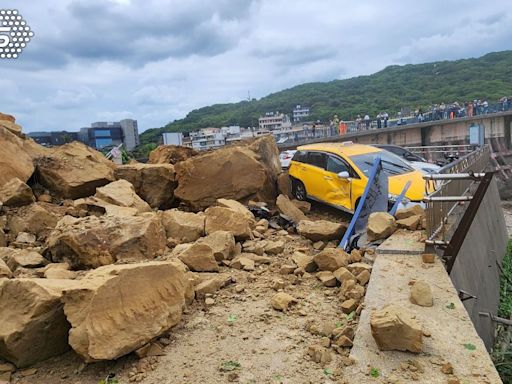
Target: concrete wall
(475,270)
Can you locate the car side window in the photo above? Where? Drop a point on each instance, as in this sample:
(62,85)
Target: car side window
(336,165)
(299,156)
(317,159)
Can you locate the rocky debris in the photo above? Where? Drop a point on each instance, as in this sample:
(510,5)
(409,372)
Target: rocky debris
(321,230)
(98,207)
(363,277)
(237,207)
(381,225)
(343,274)
(327,278)
(274,247)
(284,185)
(91,241)
(414,210)
(421,294)
(227,219)
(199,258)
(155,183)
(357,268)
(351,290)
(25,238)
(210,286)
(395,328)
(222,244)
(35,219)
(74,170)
(304,261)
(4,117)
(3,238)
(223,173)
(287,208)
(243,262)
(170,154)
(58,271)
(34,327)
(122,193)
(282,301)
(185,227)
(15,193)
(349,306)
(428,258)
(115,311)
(447,368)
(411,223)
(15,258)
(331,259)
(319,354)
(15,162)
(304,206)
(5,271)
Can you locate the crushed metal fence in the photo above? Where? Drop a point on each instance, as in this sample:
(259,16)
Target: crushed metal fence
(454,186)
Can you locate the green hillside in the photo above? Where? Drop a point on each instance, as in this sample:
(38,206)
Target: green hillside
(488,77)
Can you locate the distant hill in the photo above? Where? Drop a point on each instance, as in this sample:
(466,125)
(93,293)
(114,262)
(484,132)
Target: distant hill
(488,77)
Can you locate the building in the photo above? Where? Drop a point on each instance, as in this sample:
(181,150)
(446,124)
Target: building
(300,113)
(103,134)
(50,139)
(272,121)
(207,138)
(172,138)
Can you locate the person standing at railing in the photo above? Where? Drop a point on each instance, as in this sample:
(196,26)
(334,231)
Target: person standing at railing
(342,127)
(485,106)
(367,121)
(386,118)
(379,121)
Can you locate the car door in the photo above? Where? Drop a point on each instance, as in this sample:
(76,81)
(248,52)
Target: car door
(337,191)
(312,173)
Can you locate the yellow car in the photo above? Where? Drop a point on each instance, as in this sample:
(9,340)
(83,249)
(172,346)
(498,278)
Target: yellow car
(337,173)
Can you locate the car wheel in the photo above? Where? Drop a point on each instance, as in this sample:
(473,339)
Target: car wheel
(299,190)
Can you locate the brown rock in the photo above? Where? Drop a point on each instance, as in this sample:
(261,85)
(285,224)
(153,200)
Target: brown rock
(243,262)
(16,193)
(421,294)
(185,227)
(327,278)
(34,327)
(304,206)
(211,286)
(284,185)
(319,354)
(363,277)
(35,219)
(355,256)
(170,154)
(357,268)
(282,301)
(304,261)
(226,219)
(90,242)
(222,244)
(428,258)
(286,207)
(223,173)
(6,117)
(236,206)
(122,193)
(331,259)
(343,341)
(15,258)
(199,258)
(98,207)
(414,210)
(349,306)
(343,274)
(287,269)
(59,273)
(155,183)
(15,162)
(5,271)
(25,238)
(113,301)
(321,230)
(381,225)
(74,170)
(3,238)
(411,223)
(447,368)
(394,328)
(274,247)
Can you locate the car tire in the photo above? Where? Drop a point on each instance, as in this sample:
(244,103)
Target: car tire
(299,190)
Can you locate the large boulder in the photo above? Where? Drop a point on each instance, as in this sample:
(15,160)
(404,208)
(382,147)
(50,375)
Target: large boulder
(122,193)
(395,328)
(91,241)
(405,213)
(14,160)
(199,257)
(170,154)
(24,258)
(232,172)
(236,206)
(321,230)
(381,225)
(184,227)
(74,170)
(32,322)
(331,259)
(222,244)
(119,308)
(155,183)
(15,193)
(226,219)
(35,218)
(287,208)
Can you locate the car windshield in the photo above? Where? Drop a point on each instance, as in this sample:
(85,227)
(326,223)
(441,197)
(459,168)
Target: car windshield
(391,163)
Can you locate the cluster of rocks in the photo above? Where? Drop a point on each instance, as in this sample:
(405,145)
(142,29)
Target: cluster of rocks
(104,259)
(381,225)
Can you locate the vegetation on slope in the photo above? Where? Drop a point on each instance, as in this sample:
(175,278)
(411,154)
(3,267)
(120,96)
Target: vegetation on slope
(488,77)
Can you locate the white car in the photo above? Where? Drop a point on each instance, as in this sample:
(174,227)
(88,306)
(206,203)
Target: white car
(415,161)
(285,158)
(425,167)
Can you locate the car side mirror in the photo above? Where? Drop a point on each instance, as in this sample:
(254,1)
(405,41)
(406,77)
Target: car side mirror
(343,175)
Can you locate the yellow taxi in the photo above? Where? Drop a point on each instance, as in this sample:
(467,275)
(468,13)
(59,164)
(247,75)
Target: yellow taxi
(337,174)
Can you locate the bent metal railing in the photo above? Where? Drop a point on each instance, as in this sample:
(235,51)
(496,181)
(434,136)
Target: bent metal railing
(454,187)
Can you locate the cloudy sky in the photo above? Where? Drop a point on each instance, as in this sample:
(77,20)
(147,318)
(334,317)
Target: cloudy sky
(155,60)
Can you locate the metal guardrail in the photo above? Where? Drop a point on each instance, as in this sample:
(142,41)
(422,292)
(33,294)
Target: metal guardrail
(446,204)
